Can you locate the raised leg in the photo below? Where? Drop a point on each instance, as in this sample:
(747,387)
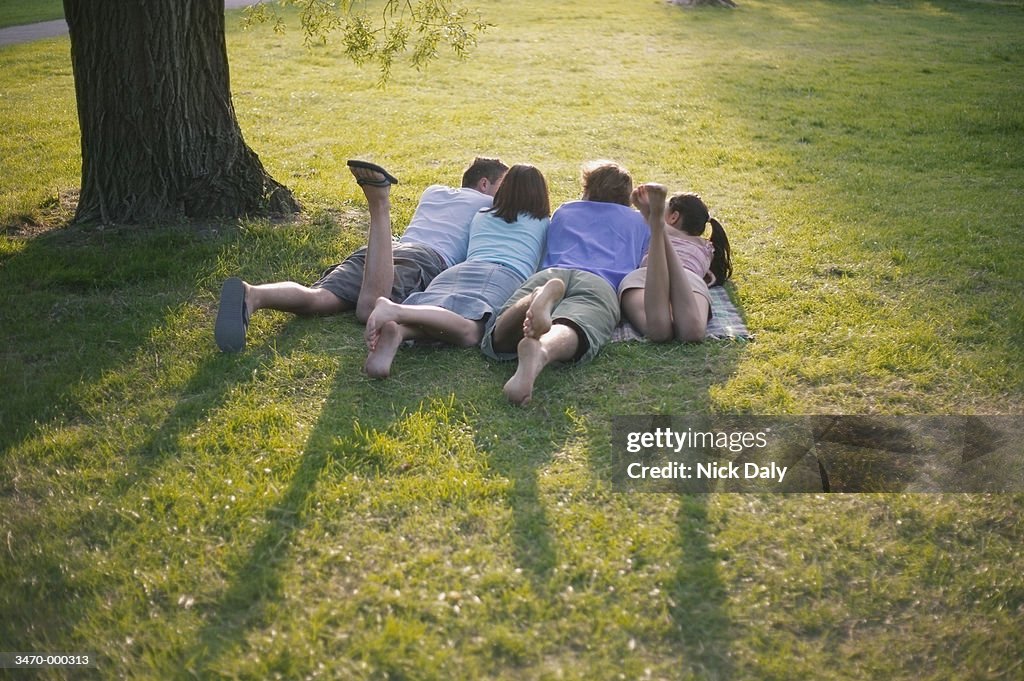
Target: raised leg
(537,320)
(667,307)
(510,326)
(379,271)
(657,304)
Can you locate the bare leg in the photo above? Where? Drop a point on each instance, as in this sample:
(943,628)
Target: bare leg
(510,326)
(543,342)
(633,309)
(657,304)
(558,344)
(537,320)
(379,270)
(667,307)
(239,300)
(435,322)
(689,310)
(295,298)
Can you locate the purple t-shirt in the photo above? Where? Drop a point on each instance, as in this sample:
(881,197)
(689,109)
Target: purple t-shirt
(606,239)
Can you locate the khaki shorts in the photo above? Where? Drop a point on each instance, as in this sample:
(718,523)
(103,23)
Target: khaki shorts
(638,279)
(590,306)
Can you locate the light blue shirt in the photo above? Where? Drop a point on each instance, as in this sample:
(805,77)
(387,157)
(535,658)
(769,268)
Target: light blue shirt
(517,245)
(606,239)
(442,220)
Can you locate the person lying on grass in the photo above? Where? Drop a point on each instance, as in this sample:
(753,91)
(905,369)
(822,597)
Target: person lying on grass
(568,310)
(505,246)
(436,238)
(667,298)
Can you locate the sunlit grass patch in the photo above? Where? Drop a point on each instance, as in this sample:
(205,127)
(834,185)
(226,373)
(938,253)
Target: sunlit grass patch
(277,513)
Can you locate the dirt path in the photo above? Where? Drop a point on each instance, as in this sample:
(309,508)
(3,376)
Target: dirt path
(13,35)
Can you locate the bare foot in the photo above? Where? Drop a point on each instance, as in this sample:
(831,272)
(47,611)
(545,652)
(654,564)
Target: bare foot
(653,196)
(654,191)
(532,360)
(383,311)
(538,315)
(378,362)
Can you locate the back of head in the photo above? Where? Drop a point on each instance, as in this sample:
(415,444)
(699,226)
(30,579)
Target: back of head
(489,168)
(523,190)
(695,218)
(692,209)
(607,182)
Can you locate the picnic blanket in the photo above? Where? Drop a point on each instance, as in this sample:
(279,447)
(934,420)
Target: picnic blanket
(726,322)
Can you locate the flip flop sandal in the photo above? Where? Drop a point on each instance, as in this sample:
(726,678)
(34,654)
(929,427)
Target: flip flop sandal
(232,317)
(388,180)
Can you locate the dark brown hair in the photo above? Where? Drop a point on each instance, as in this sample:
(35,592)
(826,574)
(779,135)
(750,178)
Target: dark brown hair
(523,190)
(607,182)
(481,167)
(695,217)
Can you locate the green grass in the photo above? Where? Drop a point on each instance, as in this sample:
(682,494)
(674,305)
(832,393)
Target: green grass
(277,514)
(17,12)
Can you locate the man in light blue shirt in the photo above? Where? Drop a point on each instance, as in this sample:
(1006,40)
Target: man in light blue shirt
(437,238)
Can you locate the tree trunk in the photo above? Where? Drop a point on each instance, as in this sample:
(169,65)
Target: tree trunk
(159,135)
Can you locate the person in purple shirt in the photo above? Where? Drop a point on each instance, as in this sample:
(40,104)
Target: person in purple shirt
(568,310)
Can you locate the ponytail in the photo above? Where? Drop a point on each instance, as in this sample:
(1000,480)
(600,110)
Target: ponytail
(721,261)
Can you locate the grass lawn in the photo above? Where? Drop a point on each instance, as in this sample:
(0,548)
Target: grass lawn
(17,12)
(276,514)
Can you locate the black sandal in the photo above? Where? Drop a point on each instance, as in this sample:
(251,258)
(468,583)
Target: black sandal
(388,180)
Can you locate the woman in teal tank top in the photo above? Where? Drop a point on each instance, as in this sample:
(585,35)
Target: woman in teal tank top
(505,247)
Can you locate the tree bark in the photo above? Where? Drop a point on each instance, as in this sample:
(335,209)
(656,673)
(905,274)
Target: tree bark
(159,135)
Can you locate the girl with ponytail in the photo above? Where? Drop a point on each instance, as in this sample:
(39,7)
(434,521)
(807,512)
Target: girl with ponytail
(667,298)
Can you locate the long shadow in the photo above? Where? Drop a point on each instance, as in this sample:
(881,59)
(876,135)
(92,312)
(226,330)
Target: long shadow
(696,596)
(255,582)
(75,293)
(80,292)
(520,461)
(699,597)
(107,292)
(215,376)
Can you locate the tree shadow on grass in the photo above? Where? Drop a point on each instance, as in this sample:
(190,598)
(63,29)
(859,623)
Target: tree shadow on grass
(255,581)
(696,596)
(699,598)
(82,301)
(61,599)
